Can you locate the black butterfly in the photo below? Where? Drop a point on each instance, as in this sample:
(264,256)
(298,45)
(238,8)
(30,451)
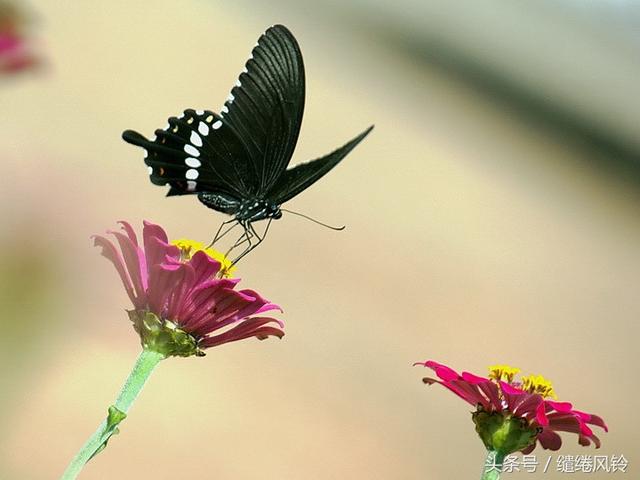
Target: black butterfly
(236,162)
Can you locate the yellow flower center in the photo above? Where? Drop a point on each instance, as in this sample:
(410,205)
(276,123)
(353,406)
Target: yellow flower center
(538,384)
(188,248)
(503,373)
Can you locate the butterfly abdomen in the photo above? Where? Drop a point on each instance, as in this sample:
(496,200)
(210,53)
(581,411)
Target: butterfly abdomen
(220,202)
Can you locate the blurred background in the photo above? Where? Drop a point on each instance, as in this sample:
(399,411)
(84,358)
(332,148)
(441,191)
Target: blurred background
(492,217)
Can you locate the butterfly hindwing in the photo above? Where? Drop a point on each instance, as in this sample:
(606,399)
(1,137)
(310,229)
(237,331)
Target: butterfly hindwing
(265,107)
(299,178)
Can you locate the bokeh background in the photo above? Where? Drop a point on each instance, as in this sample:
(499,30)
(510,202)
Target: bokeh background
(492,216)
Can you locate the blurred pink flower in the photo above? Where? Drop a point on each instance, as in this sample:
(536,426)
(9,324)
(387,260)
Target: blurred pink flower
(16,52)
(186,292)
(500,395)
(15,55)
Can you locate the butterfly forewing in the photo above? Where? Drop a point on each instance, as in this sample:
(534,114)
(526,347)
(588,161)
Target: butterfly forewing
(265,107)
(196,152)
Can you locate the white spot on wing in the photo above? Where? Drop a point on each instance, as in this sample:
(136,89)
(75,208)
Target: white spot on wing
(199,112)
(191,185)
(203,128)
(224,109)
(150,170)
(238,84)
(195,139)
(217,125)
(192,162)
(191,150)
(191,174)
(231,98)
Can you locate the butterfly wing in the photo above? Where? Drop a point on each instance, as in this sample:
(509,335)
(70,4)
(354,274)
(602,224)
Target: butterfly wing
(266,105)
(196,152)
(296,179)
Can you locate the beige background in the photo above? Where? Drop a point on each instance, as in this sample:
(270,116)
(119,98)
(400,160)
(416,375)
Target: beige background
(473,238)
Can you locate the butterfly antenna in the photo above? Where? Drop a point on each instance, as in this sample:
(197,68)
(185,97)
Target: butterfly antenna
(314,220)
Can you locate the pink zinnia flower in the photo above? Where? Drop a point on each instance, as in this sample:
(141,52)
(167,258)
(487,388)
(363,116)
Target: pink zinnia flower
(180,303)
(520,407)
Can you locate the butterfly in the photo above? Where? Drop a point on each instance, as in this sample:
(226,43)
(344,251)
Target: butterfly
(236,161)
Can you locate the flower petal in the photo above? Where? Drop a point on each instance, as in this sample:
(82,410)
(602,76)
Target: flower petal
(162,281)
(126,226)
(156,246)
(442,371)
(487,387)
(562,407)
(180,292)
(251,327)
(204,266)
(564,422)
(111,253)
(592,419)
(135,262)
(202,299)
(512,395)
(454,382)
(530,406)
(541,415)
(586,441)
(549,439)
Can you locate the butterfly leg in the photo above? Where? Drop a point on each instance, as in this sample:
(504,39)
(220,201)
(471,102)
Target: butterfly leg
(250,232)
(264,234)
(245,238)
(219,235)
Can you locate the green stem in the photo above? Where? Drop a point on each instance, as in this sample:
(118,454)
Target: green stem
(146,362)
(492,466)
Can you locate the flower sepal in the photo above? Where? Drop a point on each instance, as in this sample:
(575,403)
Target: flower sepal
(503,433)
(163,336)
